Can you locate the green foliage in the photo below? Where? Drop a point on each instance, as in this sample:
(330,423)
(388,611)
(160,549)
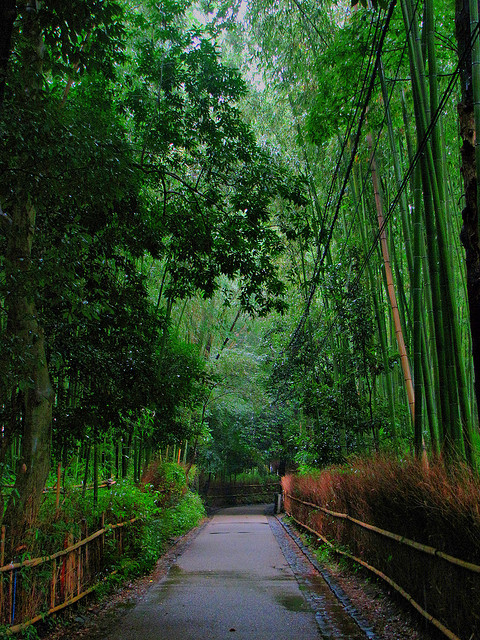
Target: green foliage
(176,521)
(157,167)
(161,529)
(332,411)
(259,475)
(228,448)
(122,502)
(157,524)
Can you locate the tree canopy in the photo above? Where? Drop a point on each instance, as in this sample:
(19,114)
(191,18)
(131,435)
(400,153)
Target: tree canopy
(234,225)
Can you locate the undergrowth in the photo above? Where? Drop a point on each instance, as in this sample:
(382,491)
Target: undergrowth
(430,503)
(163,508)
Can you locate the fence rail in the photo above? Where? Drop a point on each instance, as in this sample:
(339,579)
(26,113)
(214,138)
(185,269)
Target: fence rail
(470,566)
(26,597)
(449,634)
(303,513)
(226,493)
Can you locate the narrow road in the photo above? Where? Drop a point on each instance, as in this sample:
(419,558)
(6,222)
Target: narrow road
(232,581)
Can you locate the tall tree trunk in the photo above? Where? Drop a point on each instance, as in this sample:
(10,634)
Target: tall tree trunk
(27,335)
(470,236)
(30,363)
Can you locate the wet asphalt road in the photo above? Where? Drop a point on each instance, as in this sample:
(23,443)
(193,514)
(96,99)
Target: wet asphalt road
(231,582)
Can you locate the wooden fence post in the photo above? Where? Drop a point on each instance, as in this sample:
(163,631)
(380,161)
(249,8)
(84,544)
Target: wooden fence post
(79,567)
(10,598)
(59,482)
(2,562)
(85,565)
(102,537)
(71,564)
(53,587)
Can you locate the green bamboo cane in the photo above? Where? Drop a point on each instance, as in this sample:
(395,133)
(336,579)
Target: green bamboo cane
(446,272)
(421,300)
(379,312)
(474,18)
(397,171)
(435,250)
(464,436)
(428,357)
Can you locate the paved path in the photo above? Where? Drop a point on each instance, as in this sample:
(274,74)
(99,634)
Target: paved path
(231,582)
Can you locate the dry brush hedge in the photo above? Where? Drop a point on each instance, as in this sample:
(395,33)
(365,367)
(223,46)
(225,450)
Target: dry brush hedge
(429,505)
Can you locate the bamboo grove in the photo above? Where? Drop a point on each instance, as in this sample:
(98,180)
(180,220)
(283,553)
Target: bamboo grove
(303,222)
(384,320)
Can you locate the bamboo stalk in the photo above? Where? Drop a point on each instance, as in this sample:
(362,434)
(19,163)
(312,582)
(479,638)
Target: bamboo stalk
(70,567)
(79,568)
(379,315)
(390,285)
(102,537)
(429,190)
(455,385)
(463,430)
(54,584)
(95,469)
(59,482)
(429,358)
(85,477)
(418,367)
(87,568)
(10,597)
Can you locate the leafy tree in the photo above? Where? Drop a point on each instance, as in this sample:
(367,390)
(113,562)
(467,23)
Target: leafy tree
(203,169)
(52,43)
(122,146)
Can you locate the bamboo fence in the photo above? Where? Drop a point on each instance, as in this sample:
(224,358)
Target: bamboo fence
(231,493)
(393,536)
(61,578)
(438,555)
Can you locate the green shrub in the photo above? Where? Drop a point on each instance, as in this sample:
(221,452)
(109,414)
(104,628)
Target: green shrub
(169,524)
(162,512)
(167,479)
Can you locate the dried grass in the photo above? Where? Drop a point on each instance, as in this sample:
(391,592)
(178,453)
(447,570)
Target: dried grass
(427,502)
